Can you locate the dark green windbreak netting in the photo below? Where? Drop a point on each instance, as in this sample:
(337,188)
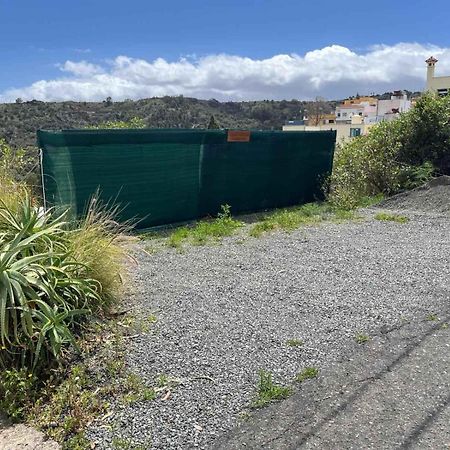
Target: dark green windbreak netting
(167,176)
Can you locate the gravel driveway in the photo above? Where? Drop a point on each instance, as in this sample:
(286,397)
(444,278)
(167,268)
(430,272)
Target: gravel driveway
(225,312)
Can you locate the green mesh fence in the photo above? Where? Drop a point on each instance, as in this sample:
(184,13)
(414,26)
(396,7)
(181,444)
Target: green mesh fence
(167,176)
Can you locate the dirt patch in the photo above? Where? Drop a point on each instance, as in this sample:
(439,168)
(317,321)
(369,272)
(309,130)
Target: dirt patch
(433,197)
(21,437)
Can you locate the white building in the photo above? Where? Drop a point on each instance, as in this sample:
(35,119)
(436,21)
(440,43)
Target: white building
(398,103)
(440,85)
(355,116)
(363,107)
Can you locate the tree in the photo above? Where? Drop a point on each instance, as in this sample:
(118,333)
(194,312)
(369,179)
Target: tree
(108,101)
(213,125)
(19,100)
(316,110)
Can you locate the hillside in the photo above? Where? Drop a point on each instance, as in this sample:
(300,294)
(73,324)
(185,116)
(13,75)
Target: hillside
(19,121)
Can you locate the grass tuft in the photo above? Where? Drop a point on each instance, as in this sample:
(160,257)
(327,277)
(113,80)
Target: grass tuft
(205,231)
(362,338)
(95,242)
(293,218)
(268,392)
(306,374)
(432,317)
(294,342)
(391,217)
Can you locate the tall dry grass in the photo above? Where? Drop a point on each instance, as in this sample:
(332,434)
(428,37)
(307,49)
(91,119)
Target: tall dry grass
(97,241)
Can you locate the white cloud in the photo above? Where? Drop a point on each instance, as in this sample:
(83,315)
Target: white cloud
(332,72)
(80,69)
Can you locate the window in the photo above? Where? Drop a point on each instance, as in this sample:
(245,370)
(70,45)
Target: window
(442,92)
(344,114)
(355,132)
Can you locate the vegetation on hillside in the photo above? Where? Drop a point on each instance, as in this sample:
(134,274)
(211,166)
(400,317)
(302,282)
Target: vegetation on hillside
(19,121)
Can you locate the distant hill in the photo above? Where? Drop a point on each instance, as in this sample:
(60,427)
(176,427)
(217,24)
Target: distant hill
(19,121)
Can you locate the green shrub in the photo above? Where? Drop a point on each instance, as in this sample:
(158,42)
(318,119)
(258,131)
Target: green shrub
(394,156)
(17,392)
(426,133)
(42,288)
(53,274)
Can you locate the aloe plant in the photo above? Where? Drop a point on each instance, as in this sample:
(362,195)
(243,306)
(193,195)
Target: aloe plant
(43,290)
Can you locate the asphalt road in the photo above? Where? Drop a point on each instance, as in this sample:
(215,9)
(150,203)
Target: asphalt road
(393,392)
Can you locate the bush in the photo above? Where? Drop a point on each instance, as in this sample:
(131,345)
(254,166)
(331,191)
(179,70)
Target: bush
(53,275)
(426,134)
(43,291)
(394,156)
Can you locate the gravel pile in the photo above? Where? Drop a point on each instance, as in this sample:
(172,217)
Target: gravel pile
(432,197)
(225,312)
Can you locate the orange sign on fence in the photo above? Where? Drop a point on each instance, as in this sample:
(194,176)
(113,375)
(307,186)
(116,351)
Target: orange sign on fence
(238,136)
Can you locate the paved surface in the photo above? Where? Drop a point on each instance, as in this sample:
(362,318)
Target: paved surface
(226,312)
(21,437)
(393,393)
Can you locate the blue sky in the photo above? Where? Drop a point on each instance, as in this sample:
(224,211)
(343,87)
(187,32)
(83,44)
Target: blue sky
(38,37)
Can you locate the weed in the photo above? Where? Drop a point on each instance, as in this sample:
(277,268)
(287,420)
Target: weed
(136,390)
(126,444)
(444,326)
(294,342)
(432,317)
(268,392)
(114,367)
(77,442)
(293,218)
(18,388)
(391,217)
(165,382)
(146,323)
(306,374)
(362,338)
(205,231)
(342,215)
(162,380)
(177,238)
(367,201)
(68,407)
